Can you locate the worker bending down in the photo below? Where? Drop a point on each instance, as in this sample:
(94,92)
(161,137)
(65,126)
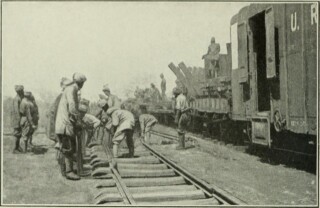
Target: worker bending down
(88,121)
(122,124)
(147,122)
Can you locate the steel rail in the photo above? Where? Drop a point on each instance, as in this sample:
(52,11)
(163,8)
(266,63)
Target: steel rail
(168,136)
(123,189)
(211,190)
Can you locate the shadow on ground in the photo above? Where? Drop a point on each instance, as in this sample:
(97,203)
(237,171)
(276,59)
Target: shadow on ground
(39,149)
(288,159)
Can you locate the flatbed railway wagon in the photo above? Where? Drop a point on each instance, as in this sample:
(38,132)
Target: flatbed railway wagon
(209,94)
(274,74)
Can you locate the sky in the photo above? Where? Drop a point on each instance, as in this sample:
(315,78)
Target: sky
(122,44)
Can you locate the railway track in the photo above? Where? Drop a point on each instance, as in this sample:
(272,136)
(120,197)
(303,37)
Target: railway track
(150,179)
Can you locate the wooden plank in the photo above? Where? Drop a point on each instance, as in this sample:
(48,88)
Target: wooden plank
(140,160)
(197,84)
(142,173)
(168,196)
(181,77)
(106,183)
(97,160)
(210,201)
(201,75)
(142,166)
(144,153)
(194,71)
(108,176)
(109,197)
(150,189)
(105,191)
(100,164)
(189,77)
(116,204)
(178,74)
(144,182)
(101,171)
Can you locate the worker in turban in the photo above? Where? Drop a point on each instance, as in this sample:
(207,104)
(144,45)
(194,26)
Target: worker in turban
(16,117)
(66,121)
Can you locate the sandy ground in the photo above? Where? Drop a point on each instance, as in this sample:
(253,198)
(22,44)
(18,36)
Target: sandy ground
(34,178)
(242,174)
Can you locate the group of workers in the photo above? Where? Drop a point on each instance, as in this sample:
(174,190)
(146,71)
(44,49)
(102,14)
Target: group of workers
(25,117)
(69,116)
(152,94)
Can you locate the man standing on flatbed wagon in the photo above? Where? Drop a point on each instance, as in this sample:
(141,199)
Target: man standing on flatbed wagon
(163,86)
(66,121)
(182,117)
(213,56)
(16,117)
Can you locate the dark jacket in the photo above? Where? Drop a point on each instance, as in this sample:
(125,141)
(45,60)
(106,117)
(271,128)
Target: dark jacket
(15,114)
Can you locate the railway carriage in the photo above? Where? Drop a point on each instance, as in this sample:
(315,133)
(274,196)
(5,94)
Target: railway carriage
(271,69)
(274,73)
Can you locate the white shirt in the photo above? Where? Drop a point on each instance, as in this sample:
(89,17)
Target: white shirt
(181,102)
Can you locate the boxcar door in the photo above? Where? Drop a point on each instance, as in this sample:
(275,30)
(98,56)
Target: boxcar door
(239,68)
(270,46)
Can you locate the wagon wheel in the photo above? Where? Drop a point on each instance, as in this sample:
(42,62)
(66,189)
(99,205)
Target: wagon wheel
(277,121)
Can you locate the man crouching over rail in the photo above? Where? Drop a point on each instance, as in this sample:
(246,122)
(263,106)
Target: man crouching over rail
(89,122)
(147,122)
(122,124)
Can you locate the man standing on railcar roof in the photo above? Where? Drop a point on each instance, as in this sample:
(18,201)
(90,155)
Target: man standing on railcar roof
(155,93)
(213,55)
(163,86)
(27,121)
(16,117)
(67,120)
(182,117)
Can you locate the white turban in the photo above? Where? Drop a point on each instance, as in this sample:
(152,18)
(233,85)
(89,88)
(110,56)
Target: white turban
(84,105)
(103,97)
(27,94)
(18,88)
(65,82)
(77,77)
(102,103)
(106,88)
